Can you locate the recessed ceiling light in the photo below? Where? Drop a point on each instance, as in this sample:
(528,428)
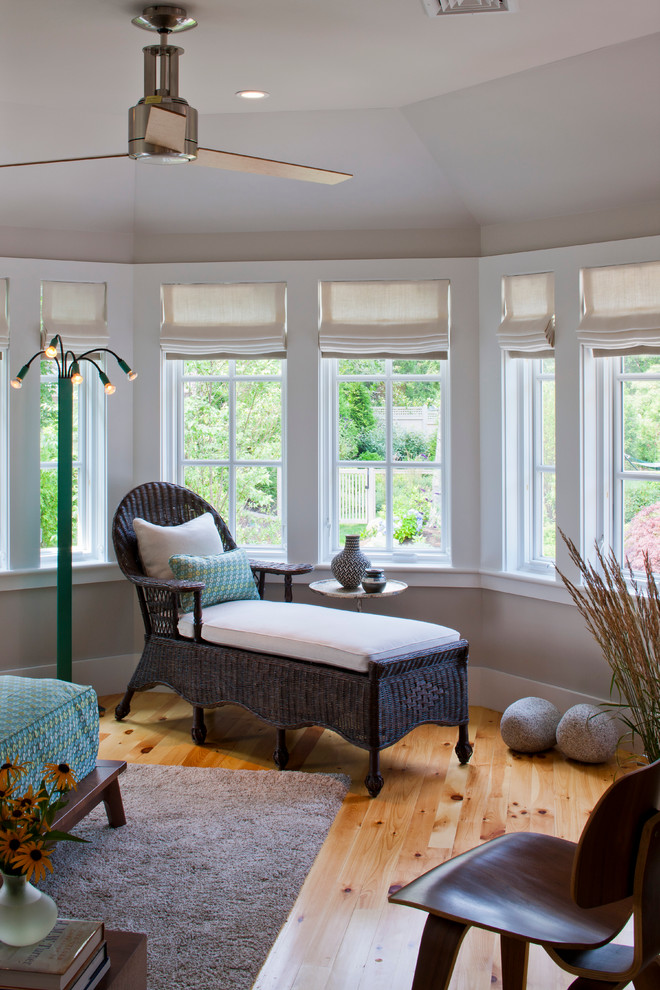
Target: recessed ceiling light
(252,94)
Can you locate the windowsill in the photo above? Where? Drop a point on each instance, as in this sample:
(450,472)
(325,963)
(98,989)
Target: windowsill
(527,585)
(84,572)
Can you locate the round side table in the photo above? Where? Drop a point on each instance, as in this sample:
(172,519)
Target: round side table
(333,589)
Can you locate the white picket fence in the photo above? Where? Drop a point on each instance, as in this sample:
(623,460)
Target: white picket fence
(357,495)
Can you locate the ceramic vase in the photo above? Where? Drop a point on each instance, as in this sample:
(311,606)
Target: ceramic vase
(374,580)
(26,914)
(350,564)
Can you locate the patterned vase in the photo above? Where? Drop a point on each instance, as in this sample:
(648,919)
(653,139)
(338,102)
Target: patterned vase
(26,914)
(349,565)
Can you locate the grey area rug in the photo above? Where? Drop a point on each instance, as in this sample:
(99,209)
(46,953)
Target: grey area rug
(209,865)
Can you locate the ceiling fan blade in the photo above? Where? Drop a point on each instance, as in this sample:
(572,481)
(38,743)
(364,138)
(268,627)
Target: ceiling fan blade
(59,161)
(264,166)
(166,129)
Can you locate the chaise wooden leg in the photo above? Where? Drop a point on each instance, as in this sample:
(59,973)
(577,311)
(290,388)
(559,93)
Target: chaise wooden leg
(198,731)
(374,781)
(114,806)
(514,953)
(438,950)
(124,706)
(281,753)
(463,747)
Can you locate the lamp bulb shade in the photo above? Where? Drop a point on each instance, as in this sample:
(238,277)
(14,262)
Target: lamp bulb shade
(76,377)
(132,375)
(109,388)
(16,382)
(50,351)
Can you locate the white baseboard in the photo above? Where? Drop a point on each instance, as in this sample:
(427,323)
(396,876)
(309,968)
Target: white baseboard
(107,675)
(488,688)
(497,690)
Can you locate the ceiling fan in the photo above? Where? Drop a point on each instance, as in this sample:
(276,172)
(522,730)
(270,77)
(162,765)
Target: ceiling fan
(162,127)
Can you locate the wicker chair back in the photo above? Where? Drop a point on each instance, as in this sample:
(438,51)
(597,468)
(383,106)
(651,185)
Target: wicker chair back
(164,504)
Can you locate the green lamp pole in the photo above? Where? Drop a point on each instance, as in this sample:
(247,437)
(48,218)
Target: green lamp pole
(68,375)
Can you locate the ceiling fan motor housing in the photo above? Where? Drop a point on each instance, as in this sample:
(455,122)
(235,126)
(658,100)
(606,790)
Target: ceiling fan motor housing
(161,87)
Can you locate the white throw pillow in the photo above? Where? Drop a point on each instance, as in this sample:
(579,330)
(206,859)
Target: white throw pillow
(157,544)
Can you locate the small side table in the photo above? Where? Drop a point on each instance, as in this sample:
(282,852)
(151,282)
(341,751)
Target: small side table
(283,570)
(333,589)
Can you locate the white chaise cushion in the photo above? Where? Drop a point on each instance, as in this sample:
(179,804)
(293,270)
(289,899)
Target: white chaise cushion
(313,632)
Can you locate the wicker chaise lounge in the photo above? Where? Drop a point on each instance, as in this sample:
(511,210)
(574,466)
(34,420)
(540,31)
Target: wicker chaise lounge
(203,655)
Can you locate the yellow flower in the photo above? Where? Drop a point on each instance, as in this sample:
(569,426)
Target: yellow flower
(10,769)
(32,860)
(11,841)
(61,775)
(27,802)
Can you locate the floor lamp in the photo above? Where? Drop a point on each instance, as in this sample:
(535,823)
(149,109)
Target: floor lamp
(68,375)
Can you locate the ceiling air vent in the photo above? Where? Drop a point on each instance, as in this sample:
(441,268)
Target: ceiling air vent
(434,8)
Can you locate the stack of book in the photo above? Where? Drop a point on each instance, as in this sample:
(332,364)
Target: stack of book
(74,956)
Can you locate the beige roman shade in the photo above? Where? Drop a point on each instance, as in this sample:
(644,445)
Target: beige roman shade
(621,309)
(385,319)
(4,315)
(77,312)
(225,320)
(527,329)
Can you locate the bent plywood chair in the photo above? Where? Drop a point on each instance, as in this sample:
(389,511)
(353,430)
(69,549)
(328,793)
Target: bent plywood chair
(573,899)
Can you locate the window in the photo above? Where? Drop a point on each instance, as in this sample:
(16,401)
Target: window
(226,441)
(385,347)
(4,420)
(388,472)
(88,465)
(526,336)
(224,396)
(620,329)
(530,463)
(77,312)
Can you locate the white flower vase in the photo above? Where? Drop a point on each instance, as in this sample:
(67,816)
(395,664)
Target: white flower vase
(26,914)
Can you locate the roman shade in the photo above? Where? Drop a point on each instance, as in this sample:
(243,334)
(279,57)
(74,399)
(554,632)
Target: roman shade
(77,312)
(385,319)
(621,309)
(527,329)
(225,320)
(4,316)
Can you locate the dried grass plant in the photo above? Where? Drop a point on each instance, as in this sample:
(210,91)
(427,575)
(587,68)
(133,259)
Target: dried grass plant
(624,618)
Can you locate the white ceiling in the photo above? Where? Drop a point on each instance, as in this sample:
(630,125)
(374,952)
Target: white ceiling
(452,121)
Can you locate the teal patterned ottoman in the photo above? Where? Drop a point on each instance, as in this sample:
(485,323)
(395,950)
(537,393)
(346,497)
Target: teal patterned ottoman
(43,720)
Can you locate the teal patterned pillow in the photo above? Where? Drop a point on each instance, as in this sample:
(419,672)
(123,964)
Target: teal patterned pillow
(228,577)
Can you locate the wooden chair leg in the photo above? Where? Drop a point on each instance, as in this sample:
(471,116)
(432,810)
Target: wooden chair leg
(649,978)
(438,950)
(114,806)
(515,955)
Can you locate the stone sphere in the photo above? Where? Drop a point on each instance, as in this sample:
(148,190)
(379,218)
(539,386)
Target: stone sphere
(529,725)
(588,734)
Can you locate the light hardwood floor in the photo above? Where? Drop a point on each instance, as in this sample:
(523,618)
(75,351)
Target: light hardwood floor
(342,934)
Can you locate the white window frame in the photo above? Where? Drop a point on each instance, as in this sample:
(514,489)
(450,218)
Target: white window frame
(174,463)
(4,459)
(603,444)
(89,542)
(330,543)
(524,467)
